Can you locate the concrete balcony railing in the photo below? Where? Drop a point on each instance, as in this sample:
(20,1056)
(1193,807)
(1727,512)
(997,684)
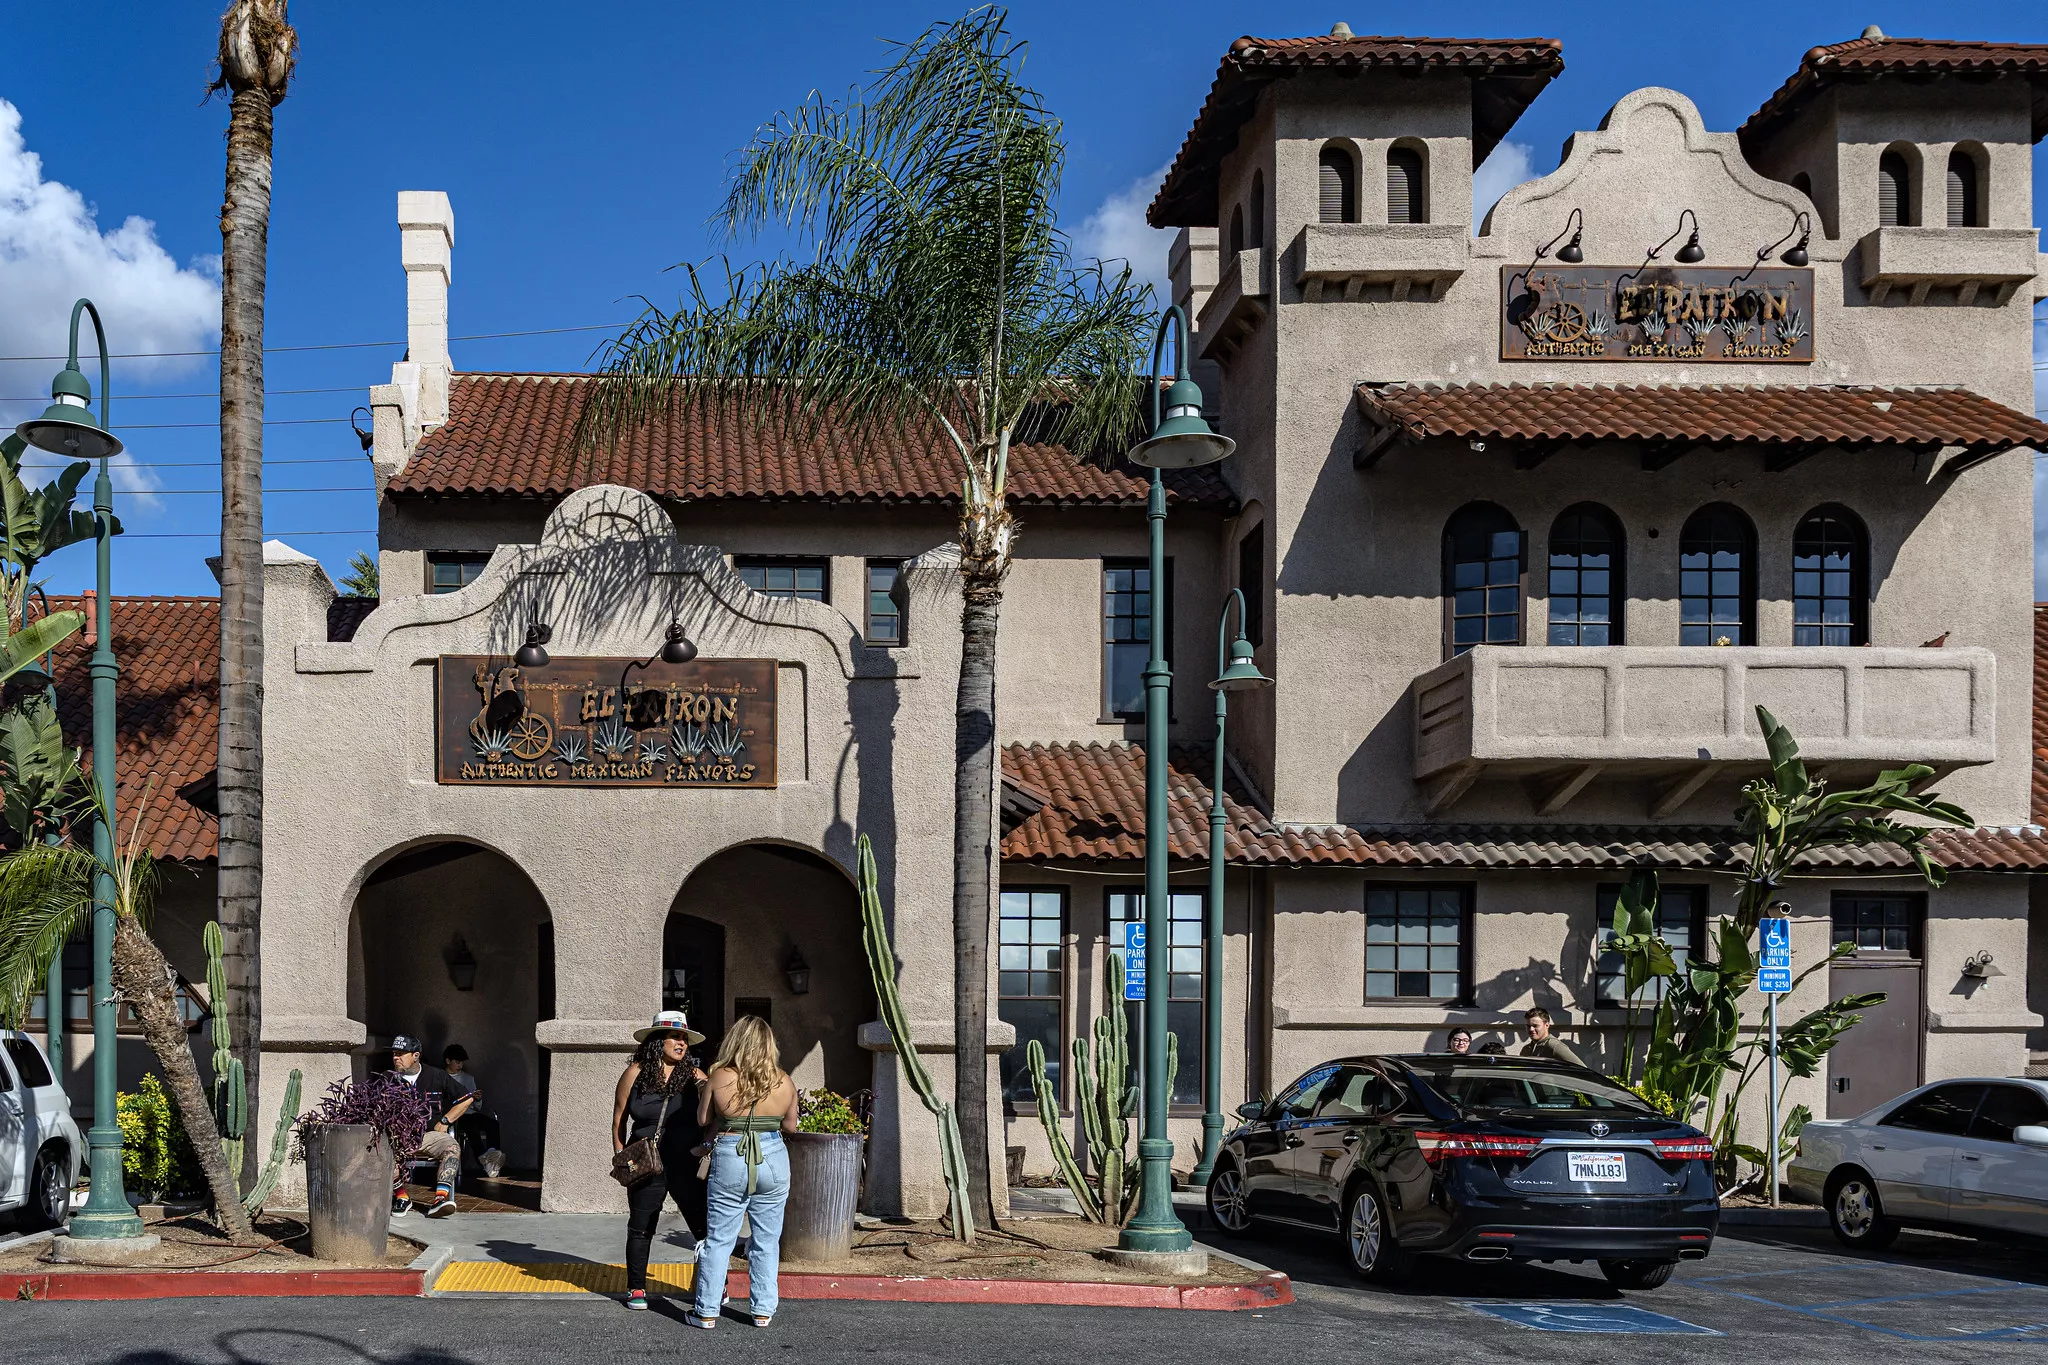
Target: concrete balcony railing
(1238,304)
(1566,716)
(1338,261)
(1968,261)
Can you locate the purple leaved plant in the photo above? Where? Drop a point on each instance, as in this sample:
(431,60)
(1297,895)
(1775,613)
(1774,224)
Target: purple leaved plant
(382,1101)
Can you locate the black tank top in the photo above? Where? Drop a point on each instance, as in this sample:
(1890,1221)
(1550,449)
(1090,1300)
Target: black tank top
(680,1133)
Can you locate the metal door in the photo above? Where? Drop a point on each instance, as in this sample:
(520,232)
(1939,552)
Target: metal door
(1879,1059)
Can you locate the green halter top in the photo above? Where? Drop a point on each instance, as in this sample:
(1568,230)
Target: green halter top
(749,1126)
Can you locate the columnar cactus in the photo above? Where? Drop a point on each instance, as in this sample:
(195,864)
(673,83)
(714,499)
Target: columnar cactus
(231,1091)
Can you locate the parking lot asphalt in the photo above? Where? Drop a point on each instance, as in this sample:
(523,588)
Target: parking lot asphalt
(1776,1297)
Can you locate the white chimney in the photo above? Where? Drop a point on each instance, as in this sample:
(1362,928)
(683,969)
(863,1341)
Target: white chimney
(426,230)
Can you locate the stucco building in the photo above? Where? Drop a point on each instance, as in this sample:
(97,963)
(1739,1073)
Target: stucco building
(1530,514)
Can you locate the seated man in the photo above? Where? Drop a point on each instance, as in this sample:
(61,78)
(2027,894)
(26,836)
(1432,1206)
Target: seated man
(449,1102)
(478,1129)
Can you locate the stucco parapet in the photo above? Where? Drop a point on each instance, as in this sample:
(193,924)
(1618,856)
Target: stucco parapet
(312,1033)
(1333,253)
(1965,1021)
(932,1036)
(587,1035)
(1919,258)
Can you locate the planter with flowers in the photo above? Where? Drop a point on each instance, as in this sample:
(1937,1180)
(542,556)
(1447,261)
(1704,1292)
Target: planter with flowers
(351,1142)
(824,1177)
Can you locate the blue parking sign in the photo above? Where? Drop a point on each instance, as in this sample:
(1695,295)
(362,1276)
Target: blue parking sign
(1775,937)
(1134,960)
(1774,980)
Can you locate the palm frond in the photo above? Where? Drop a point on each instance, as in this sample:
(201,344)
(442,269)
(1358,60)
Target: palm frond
(45,896)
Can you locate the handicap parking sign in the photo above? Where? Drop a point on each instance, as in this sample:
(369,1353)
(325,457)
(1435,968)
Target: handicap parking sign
(1134,960)
(1590,1317)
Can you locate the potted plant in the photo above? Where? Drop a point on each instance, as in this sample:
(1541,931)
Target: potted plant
(351,1142)
(824,1177)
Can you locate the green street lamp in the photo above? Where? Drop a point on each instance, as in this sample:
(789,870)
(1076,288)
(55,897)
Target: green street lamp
(1180,439)
(67,429)
(1235,672)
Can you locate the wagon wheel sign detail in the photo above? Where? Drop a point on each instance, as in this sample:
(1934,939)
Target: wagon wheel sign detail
(531,736)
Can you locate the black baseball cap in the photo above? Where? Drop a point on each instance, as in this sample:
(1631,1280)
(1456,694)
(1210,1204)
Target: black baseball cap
(405,1042)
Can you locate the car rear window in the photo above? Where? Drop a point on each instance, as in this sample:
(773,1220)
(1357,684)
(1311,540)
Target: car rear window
(28,1060)
(1945,1109)
(1508,1087)
(2005,1108)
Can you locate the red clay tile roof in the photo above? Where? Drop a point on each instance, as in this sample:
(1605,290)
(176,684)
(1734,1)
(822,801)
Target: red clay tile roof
(1096,811)
(1836,415)
(1507,74)
(167,713)
(509,435)
(2040,811)
(1863,58)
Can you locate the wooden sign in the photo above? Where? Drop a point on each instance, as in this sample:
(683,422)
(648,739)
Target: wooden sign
(1685,313)
(605,722)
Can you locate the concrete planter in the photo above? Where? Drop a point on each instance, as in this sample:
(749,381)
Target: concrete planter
(348,1191)
(824,1188)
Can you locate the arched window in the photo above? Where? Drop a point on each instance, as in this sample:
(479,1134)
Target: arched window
(1585,577)
(1894,190)
(1717,578)
(1236,230)
(1482,578)
(1256,229)
(1407,199)
(1830,579)
(1962,190)
(1337,180)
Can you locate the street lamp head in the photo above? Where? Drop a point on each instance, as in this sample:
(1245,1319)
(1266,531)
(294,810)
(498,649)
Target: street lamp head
(67,427)
(1183,439)
(1243,675)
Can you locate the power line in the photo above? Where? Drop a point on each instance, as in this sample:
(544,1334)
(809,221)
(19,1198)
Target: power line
(215,464)
(215,535)
(336,345)
(215,492)
(179,426)
(135,397)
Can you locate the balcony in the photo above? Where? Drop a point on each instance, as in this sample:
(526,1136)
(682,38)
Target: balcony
(1238,304)
(1394,262)
(1962,262)
(1562,717)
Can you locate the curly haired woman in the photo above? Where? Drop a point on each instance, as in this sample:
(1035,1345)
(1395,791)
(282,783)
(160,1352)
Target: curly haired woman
(658,1095)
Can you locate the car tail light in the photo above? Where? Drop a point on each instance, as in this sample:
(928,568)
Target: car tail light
(1437,1146)
(1685,1148)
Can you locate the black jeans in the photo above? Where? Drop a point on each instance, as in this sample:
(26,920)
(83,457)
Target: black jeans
(644,1202)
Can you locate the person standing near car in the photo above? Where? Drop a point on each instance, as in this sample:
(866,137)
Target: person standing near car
(1543,1043)
(657,1098)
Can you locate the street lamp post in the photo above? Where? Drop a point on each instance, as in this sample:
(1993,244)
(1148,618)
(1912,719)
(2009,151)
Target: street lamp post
(1181,440)
(67,428)
(1235,672)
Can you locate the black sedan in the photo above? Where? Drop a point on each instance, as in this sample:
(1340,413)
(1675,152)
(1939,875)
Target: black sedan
(1478,1158)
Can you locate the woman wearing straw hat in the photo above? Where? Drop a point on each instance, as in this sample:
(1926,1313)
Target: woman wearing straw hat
(657,1099)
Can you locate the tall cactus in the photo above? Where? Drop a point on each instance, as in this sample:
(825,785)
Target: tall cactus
(1105,1096)
(230,1086)
(874,937)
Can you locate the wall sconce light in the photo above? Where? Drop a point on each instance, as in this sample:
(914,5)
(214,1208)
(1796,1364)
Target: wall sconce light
(534,654)
(798,971)
(462,967)
(1981,968)
(678,648)
(367,438)
(1570,253)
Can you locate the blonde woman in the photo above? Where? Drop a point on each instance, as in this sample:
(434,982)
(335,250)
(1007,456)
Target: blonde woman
(745,1108)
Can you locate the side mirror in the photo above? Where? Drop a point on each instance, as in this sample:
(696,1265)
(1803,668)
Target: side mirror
(2031,1135)
(1254,1110)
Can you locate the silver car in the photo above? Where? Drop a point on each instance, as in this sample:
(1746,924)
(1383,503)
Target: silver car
(41,1150)
(1962,1155)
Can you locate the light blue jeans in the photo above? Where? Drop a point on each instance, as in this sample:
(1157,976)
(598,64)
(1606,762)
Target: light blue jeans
(728,1201)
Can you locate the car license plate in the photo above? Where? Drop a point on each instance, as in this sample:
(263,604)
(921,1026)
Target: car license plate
(1597,1166)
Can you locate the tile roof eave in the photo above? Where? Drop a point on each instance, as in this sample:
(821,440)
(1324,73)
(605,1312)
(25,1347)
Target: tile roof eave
(1862,58)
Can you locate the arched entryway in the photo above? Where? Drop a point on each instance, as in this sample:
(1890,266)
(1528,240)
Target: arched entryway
(452,943)
(743,921)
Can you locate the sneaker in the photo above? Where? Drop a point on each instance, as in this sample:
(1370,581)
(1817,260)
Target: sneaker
(444,1204)
(706,1323)
(400,1205)
(637,1299)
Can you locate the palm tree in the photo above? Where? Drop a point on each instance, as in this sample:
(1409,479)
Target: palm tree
(941,303)
(46,894)
(257,51)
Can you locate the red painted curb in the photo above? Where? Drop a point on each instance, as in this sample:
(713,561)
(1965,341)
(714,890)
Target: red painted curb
(1269,1291)
(208,1284)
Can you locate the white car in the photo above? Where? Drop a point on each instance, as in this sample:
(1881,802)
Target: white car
(42,1152)
(1962,1155)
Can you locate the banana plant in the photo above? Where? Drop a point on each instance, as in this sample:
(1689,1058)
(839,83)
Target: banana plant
(35,523)
(39,773)
(1645,956)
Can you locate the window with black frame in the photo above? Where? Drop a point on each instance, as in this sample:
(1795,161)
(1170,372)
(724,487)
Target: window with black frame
(885,611)
(779,576)
(1829,571)
(1482,578)
(1127,634)
(452,571)
(1584,583)
(1030,978)
(1415,939)
(1717,579)
(1681,923)
(1878,924)
(1184,980)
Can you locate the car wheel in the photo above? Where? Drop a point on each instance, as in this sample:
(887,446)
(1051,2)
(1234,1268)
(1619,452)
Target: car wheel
(49,1197)
(1226,1199)
(1855,1213)
(1369,1241)
(1637,1274)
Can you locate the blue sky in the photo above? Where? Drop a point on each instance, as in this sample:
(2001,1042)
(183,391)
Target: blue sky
(583,155)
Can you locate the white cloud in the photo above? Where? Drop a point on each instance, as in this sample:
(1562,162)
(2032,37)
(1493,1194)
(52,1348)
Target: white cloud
(1117,232)
(1507,166)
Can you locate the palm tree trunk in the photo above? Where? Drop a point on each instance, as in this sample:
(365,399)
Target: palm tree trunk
(144,980)
(245,229)
(974,778)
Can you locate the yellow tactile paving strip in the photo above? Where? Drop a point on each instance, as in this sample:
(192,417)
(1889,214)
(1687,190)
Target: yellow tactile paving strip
(571,1277)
